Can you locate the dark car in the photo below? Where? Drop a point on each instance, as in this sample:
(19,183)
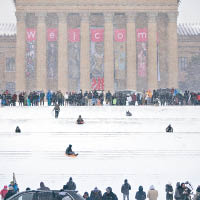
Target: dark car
(47,195)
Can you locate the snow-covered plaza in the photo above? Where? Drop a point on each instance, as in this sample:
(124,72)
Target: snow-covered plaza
(111,147)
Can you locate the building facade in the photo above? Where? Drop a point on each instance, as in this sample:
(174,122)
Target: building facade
(96,44)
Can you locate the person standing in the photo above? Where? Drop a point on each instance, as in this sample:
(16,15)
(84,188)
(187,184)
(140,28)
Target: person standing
(70,184)
(152,193)
(197,195)
(140,194)
(10,192)
(96,194)
(109,195)
(169,191)
(43,187)
(4,191)
(125,189)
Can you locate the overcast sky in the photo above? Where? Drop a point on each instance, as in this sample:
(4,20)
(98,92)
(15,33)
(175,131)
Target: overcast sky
(189,11)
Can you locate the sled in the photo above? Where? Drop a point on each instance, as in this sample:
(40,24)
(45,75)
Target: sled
(72,155)
(80,122)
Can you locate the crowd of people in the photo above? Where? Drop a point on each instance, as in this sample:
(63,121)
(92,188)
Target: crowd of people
(156,97)
(182,191)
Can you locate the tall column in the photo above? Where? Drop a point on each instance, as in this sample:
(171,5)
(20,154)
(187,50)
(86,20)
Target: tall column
(84,54)
(172,51)
(152,51)
(108,53)
(41,52)
(20,52)
(62,53)
(131,52)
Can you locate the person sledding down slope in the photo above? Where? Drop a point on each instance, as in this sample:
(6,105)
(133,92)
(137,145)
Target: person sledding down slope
(69,151)
(128,113)
(80,120)
(169,129)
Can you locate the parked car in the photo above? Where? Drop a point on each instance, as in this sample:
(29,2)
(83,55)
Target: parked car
(47,195)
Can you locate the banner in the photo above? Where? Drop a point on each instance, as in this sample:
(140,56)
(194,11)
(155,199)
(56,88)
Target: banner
(120,58)
(52,34)
(52,53)
(30,34)
(97,59)
(74,35)
(30,53)
(120,35)
(97,35)
(142,38)
(74,59)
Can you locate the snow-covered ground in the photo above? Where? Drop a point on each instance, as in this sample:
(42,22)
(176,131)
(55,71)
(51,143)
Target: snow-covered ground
(111,147)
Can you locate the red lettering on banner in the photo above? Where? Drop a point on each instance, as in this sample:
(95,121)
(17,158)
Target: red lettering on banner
(74,35)
(120,35)
(98,83)
(52,34)
(30,34)
(142,35)
(97,35)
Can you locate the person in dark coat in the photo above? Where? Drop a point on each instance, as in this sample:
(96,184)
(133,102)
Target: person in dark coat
(80,120)
(169,129)
(69,150)
(70,184)
(128,113)
(17,130)
(96,194)
(109,195)
(169,191)
(57,110)
(125,189)
(86,196)
(10,192)
(197,195)
(140,194)
(184,192)
(177,194)
(43,187)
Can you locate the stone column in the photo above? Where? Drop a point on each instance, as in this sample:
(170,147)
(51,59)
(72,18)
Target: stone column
(172,51)
(62,53)
(84,53)
(108,53)
(152,51)
(41,75)
(131,52)
(20,52)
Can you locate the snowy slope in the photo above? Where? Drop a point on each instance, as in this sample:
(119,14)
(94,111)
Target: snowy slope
(111,147)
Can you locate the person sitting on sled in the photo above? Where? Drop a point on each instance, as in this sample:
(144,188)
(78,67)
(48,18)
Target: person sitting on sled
(169,129)
(69,151)
(17,130)
(128,113)
(80,120)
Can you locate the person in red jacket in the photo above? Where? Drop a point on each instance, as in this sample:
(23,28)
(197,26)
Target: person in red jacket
(4,192)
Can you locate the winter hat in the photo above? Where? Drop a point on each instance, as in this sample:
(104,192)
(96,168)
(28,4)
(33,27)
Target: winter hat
(5,187)
(70,177)
(152,187)
(125,181)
